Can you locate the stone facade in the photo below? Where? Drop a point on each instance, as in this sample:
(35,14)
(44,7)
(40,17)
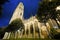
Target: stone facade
(39,29)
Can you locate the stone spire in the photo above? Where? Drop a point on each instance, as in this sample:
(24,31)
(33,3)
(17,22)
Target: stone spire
(18,13)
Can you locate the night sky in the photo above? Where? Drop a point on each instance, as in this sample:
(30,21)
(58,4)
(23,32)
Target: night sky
(30,7)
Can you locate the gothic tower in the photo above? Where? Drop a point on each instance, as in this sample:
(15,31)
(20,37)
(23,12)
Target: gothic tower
(18,13)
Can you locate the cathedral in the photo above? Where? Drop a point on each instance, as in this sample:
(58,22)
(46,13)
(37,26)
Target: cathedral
(39,29)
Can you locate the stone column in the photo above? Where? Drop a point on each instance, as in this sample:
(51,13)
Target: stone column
(39,26)
(29,34)
(44,31)
(12,35)
(15,34)
(28,31)
(9,35)
(48,28)
(33,30)
(18,34)
(25,36)
(6,35)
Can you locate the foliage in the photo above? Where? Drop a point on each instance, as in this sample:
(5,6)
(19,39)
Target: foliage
(15,25)
(57,36)
(54,34)
(2,32)
(47,10)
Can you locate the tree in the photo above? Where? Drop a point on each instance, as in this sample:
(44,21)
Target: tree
(54,34)
(2,32)
(15,25)
(1,3)
(47,10)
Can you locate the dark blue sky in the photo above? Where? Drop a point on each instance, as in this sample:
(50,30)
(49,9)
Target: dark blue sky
(30,7)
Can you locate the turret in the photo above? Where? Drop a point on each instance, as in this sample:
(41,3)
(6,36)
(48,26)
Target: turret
(18,13)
